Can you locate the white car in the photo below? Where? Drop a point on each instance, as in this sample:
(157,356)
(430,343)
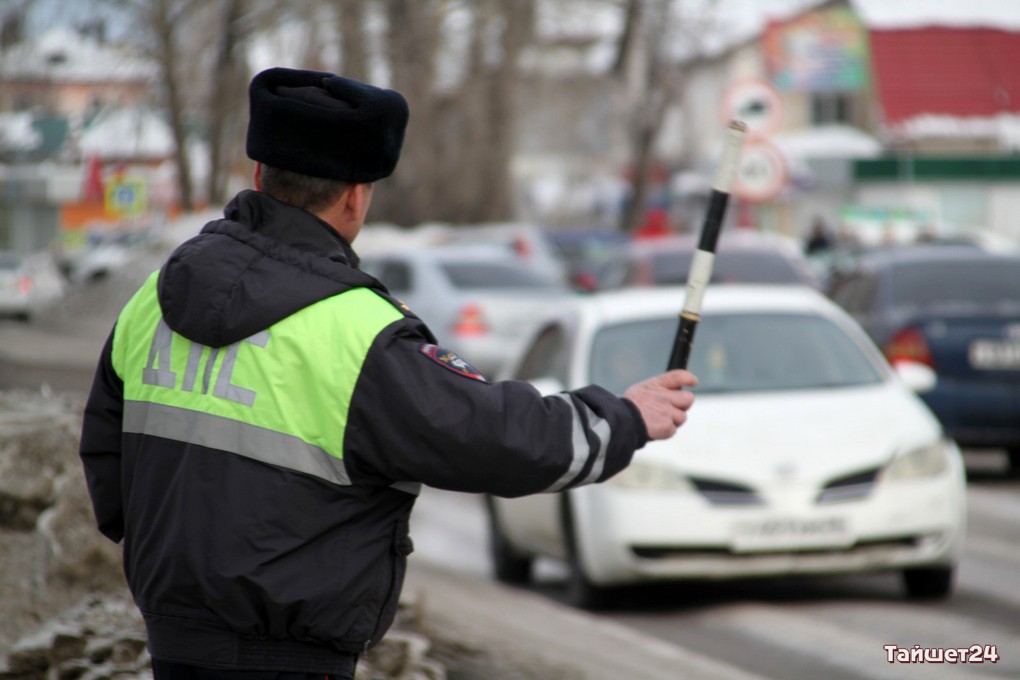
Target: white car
(804,452)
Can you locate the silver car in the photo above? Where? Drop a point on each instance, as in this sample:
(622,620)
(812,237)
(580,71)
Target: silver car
(481,300)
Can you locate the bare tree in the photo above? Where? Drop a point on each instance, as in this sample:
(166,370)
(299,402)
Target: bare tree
(200,49)
(353,41)
(12,22)
(643,55)
(227,73)
(159,23)
(233,24)
(494,81)
(412,38)
(460,139)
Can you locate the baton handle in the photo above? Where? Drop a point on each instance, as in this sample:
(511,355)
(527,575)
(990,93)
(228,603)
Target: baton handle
(684,342)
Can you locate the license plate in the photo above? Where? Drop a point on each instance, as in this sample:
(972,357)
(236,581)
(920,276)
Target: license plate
(995,354)
(791,533)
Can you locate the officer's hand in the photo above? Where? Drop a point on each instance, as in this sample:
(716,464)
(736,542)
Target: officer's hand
(663,402)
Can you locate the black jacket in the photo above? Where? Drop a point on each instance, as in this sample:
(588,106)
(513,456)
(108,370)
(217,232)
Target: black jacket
(239,563)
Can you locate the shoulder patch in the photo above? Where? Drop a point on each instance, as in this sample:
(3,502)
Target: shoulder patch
(450,361)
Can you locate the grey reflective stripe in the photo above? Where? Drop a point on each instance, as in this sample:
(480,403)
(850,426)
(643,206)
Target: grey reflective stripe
(244,439)
(194,357)
(158,372)
(579,444)
(599,426)
(226,389)
(214,353)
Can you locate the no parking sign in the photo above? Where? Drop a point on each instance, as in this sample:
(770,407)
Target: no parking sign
(756,103)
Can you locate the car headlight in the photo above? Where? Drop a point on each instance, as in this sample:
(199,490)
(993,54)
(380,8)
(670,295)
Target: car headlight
(925,461)
(650,477)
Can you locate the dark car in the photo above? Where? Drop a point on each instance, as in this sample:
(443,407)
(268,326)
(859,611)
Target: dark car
(741,257)
(956,310)
(585,252)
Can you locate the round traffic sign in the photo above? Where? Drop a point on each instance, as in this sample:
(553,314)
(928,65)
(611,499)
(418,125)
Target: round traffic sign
(761,173)
(756,103)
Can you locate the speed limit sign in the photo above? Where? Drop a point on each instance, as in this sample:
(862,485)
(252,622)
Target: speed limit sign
(761,174)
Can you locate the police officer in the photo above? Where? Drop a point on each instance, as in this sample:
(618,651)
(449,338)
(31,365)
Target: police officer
(264,413)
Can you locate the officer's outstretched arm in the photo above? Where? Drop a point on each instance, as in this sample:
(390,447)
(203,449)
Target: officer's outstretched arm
(416,415)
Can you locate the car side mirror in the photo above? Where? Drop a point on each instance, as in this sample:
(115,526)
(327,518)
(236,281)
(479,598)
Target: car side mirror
(547,385)
(919,377)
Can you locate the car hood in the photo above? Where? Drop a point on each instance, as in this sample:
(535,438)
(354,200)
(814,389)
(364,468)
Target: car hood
(815,434)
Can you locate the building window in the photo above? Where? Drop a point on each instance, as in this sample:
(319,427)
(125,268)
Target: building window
(832,107)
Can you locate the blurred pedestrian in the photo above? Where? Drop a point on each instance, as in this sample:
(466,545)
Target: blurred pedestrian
(818,239)
(264,413)
(655,225)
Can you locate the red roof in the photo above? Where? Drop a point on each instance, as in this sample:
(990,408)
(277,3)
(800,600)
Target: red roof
(961,72)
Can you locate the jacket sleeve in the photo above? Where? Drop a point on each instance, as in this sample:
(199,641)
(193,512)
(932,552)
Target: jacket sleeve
(414,419)
(100,446)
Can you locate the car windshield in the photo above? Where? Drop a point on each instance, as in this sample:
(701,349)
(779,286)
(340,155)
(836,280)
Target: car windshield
(489,275)
(736,353)
(729,267)
(933,284)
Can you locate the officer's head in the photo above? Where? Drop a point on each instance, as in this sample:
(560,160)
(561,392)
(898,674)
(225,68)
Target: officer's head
(314,135)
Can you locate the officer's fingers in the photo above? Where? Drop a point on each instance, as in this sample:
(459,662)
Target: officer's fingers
(670,380)
(681,399)
(676,379)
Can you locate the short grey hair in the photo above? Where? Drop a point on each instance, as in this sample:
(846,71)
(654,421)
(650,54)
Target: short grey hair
(302,191)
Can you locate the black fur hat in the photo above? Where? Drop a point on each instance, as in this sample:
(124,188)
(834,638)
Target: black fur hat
(323,125)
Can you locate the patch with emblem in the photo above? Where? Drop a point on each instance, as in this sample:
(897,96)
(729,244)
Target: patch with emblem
(450,361)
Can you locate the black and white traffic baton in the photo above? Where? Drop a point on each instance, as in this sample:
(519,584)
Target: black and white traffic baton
(704,257)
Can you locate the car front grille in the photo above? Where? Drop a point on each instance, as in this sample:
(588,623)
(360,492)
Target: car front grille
(849,488)
(726,493)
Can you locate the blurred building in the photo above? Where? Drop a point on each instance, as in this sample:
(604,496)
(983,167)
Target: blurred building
(65,72)
(882,117)
(80,146)
(885,118)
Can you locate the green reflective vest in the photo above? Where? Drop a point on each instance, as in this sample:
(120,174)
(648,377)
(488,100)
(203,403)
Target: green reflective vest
(280,396)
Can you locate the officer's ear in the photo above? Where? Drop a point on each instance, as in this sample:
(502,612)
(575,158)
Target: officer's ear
(358,198)
(351,209)
(257,176)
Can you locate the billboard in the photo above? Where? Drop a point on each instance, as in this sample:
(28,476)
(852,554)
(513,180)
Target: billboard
(820,51)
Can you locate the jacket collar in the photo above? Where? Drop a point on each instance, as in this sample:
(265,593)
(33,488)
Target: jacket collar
(296,227)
